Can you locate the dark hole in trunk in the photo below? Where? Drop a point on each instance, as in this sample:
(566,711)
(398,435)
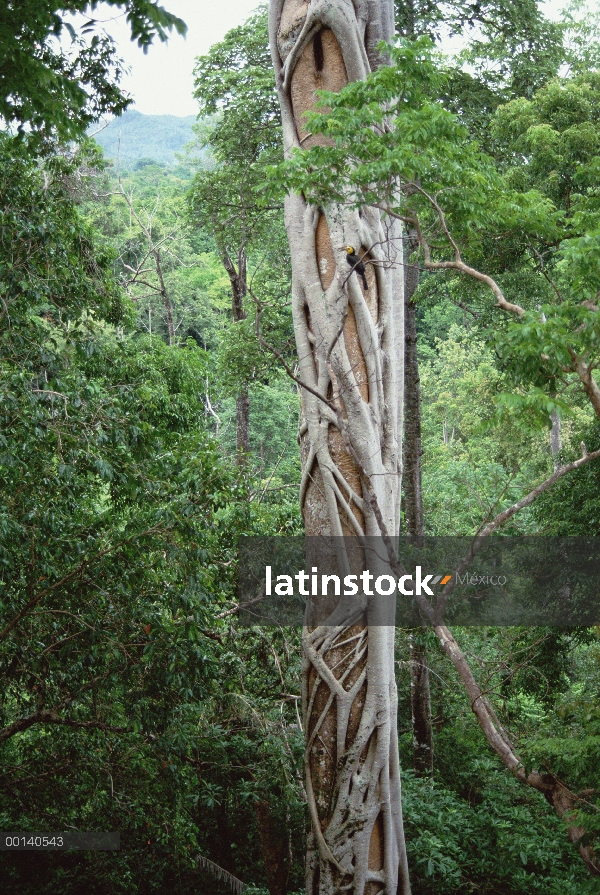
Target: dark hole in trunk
(316,881)
(318,51)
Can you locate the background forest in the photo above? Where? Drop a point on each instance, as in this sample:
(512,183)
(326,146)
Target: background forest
(148,421)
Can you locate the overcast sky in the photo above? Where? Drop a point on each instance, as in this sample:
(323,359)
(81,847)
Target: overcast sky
(161,81)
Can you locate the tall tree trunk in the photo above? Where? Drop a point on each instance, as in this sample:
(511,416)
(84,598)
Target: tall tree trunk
(275,848)
(350,347)
(242,424)
(411,480)
(555,440)
(420,694)
(420,703)
(165,298)
(239,285)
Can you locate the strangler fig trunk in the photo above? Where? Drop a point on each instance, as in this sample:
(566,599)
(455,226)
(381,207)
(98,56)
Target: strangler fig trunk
(350,344)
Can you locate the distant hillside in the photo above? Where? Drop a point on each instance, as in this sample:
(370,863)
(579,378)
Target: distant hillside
(134,136)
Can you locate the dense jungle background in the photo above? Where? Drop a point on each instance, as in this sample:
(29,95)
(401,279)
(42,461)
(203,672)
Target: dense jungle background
(148,420)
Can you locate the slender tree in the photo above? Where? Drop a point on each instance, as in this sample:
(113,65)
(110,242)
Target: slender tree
(234,84)
(212,192)
(349,335)
(151,262)
(414,520)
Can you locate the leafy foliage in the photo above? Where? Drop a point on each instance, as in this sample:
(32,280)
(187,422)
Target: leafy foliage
(119,519)
(49,261)
(131,700)
(55,91)
(473,827)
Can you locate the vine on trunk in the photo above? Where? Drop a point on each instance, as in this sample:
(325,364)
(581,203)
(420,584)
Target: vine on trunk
(350,344)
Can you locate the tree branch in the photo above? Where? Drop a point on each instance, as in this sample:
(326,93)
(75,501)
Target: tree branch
(51,716)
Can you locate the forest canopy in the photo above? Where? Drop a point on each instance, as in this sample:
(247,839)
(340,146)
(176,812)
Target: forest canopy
(152,397)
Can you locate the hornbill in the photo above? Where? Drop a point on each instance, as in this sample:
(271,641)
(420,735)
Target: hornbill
(357,265)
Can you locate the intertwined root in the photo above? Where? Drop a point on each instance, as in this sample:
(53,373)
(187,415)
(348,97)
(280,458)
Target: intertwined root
(350,348)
